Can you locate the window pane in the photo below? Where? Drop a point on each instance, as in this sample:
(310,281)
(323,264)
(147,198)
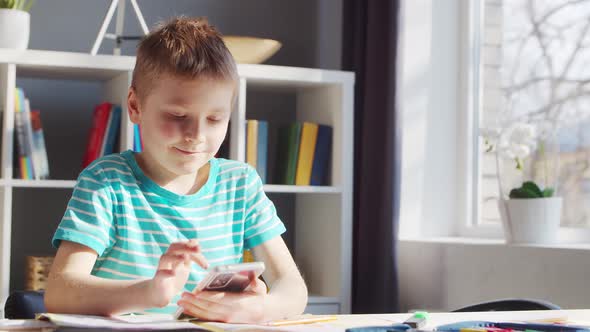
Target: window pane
(535,65)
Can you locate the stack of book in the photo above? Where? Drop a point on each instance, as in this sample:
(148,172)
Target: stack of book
(304,154)
(31,153)
(257,146)
(104,134)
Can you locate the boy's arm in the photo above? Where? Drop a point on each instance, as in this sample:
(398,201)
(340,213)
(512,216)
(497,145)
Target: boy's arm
(288,293)
(72,289)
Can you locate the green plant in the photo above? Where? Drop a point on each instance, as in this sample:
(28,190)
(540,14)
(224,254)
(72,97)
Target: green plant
(24,5)
(529,189)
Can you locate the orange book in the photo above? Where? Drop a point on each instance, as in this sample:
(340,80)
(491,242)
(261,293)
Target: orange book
(251,142)
(309,136)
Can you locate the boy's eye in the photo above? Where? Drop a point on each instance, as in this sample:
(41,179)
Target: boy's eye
(177,116)
(215,119)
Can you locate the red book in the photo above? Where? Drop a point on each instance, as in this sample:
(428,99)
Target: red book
(97,132)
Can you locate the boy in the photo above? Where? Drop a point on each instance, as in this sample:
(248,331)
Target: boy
(137,221)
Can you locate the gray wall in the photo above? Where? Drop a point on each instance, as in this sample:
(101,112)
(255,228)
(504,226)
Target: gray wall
(310,31)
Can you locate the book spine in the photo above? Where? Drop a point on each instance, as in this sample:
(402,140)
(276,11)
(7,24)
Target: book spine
(103,141)
(322,157)
(100,117)
(280,168)
(309,134)
(19,122)
(137,145)
(33,164)
(294,139)
(39,144)
(251,142)
(113,130)
(262,150)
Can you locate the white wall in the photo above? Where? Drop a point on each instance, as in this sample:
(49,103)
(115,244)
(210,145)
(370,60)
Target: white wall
(436,275)
(429,67)
(448,276)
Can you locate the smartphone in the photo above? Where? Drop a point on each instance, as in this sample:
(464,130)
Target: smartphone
(228,278)
(231,278)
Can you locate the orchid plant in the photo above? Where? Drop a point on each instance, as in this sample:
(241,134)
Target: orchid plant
(518,143)
(24,5)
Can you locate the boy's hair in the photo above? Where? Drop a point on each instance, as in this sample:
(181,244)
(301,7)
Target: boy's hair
(182,47)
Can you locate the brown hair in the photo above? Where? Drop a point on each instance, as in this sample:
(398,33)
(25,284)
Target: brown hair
(183,47)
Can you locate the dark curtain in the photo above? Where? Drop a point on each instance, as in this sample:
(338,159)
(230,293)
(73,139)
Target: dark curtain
(370,35)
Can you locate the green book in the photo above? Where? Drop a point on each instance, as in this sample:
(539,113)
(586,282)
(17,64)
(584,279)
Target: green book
(288,150)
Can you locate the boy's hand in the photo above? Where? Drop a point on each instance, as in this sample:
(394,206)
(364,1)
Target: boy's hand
(227,307)
(173,270)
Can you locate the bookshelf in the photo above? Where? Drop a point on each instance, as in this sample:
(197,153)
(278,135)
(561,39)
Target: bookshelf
(318,218)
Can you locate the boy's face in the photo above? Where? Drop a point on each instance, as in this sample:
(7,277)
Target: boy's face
(183,121)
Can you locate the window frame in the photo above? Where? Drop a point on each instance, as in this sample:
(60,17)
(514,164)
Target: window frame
(471,27)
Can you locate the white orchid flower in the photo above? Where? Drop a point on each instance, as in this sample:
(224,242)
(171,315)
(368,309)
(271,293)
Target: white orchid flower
(517,142)
(515,151)
(523,134)
(489,133)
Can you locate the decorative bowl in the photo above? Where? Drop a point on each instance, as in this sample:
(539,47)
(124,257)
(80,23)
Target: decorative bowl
(251,49)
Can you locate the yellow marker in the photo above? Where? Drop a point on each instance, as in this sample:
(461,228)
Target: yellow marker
(303,320)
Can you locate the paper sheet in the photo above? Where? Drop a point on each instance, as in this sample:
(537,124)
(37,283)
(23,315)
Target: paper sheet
(167,322)
(24,324)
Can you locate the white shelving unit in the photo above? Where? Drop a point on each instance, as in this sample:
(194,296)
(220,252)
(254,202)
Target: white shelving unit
(323,214)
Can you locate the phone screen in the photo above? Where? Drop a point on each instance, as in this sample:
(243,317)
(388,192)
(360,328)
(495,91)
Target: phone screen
(231,281)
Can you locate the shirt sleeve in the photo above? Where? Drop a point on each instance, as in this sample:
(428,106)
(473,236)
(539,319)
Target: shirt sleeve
(262,222)
(88,219)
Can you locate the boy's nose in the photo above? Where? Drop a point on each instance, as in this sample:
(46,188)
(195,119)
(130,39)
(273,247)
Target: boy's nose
(195,139)
(194,132)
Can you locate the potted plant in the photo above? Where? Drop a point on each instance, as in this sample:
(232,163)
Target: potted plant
(527,161)
(15,23)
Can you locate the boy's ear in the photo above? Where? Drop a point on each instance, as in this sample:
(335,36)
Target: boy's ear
(133,106)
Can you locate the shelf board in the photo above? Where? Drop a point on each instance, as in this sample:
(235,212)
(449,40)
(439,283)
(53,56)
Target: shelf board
(66,65)
(322,299)
(284,76)
(279,188)
(79,65)
(18,183)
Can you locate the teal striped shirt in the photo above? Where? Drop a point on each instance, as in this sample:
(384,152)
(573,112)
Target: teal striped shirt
(130,221)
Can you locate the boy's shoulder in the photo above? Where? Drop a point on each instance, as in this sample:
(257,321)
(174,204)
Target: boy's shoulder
(115,163)
(231,168)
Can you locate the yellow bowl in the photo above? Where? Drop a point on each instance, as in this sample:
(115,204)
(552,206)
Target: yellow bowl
(251,49)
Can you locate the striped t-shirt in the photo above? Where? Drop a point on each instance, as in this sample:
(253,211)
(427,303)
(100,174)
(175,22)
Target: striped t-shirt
(130,221)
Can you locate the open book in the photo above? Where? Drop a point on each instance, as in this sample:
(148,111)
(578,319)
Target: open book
(167,322)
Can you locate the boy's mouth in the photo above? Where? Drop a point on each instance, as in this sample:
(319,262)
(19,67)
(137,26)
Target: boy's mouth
(187,152)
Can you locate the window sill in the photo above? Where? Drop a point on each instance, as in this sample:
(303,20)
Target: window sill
(492,242)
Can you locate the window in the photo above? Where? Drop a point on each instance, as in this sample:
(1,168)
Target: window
(533,64)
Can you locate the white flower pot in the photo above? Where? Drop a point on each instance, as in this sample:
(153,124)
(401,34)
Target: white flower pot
(533,220)
(14,29)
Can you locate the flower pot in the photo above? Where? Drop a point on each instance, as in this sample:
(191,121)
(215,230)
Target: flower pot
(14,29)
(533,220)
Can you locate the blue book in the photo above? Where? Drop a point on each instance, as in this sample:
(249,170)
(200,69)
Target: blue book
(262,149)
(112,130)
(322,156)
(136,138)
